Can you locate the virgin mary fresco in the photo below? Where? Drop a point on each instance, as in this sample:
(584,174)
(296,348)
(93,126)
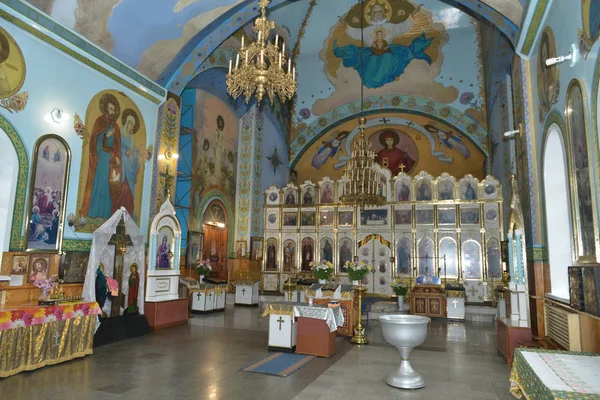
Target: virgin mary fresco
(383,61)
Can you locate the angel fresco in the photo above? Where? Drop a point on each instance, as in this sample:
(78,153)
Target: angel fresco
(383,61)
(328,149)
(450,140)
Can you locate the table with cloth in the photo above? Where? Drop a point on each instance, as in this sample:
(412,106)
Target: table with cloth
(33,336)
(545,374)
(305,329)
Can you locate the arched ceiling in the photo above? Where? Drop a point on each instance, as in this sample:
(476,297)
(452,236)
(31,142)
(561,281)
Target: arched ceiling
(156,37)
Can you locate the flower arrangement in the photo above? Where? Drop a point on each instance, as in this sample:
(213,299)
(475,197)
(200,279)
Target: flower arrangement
(47,285)
(322,270)
(203,267)
(357,270)
(400,289)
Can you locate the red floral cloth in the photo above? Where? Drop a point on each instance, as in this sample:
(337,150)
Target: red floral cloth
(35,315)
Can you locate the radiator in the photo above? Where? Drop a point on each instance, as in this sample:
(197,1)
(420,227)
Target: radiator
(562,327)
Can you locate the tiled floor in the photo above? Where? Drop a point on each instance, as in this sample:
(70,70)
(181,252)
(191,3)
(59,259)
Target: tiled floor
(202,361)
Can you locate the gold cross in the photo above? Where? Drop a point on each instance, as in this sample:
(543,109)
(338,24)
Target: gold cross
(281,321)
(402,166)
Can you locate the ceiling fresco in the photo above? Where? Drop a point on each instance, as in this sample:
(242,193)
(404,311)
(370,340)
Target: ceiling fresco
(157,37)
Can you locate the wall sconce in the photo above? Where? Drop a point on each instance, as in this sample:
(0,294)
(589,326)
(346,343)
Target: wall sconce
(511,134)
(573,56)
(59,115)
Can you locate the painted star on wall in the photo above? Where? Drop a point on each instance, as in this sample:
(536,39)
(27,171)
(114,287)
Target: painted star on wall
(274,160)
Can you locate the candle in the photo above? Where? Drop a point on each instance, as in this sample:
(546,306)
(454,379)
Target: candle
(259,35)
(230,62)
(237,60)
(279,60)
(262,57)
(283,48)
(294,75)
(246,56)
(289,66)
(242,42)
(276,39)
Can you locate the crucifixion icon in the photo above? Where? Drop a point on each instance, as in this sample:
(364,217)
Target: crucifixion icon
(280,321)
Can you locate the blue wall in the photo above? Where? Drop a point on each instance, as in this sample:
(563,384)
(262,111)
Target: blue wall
(56,80)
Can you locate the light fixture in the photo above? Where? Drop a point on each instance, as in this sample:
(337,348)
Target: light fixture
(260,67)
(573,56)
(362,175)
(59,115)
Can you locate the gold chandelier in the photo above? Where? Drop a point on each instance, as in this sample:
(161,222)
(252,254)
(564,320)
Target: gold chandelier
(362,181)
(363,185)
(260,67)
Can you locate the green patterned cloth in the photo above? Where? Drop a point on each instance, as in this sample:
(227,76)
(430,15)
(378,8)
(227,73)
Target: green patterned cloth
(545,374)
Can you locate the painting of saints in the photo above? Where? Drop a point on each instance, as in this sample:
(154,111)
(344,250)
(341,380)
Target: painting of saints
(39,270)
(469,193)
(290,197)
(132,293)
(403,191)
(307,253)
(162,254)
(547,76)
(103,181)
(130,161)
(12,68)
(426,254)
(327,251)
(345,253)
(403,257)
(445,190)
(327,193)
(449,257)
(328,149)
(5,86)
(493,256)
(424,191)
(383,61)
(392,157)
(307,198)
(271,255)
(289,256)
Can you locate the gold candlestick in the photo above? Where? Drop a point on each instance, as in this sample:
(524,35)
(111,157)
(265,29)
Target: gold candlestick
(289,286)
(359,338)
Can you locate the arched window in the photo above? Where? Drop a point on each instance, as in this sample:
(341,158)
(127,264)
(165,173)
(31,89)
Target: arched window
(556,200)
(583,207)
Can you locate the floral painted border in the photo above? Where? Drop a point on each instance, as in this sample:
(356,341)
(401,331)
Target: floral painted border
(257,220)
(244,176)
(16,230)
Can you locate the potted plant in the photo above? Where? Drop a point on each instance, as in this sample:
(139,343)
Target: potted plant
(400,289)
(203,268)
(357,270)
(322,270)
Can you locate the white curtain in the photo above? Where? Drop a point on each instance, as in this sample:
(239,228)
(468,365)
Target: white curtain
(104,253)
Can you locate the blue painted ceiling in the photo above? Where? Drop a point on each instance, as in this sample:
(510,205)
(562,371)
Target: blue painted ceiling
(155,36)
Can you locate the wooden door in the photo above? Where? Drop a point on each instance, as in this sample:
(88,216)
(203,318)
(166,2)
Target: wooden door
(215,249)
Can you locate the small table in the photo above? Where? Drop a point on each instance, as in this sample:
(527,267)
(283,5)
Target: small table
(45,335)
(455,304)
(246,293)
(547,374)
(312,334)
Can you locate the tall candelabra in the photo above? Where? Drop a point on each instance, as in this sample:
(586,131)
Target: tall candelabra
(260,67)
(362,184)
(359,337)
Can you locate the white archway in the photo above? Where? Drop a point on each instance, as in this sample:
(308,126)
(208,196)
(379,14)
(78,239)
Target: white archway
(558,212)
(8,182)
